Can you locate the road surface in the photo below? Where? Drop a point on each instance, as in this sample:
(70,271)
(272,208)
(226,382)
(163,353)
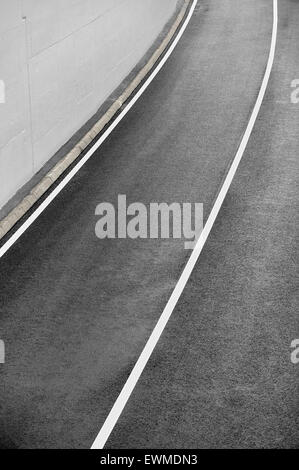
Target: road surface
(76,311)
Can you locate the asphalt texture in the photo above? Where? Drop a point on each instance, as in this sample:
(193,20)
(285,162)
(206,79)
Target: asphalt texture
(77,311)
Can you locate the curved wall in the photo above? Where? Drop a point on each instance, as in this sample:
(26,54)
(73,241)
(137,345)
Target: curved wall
(59,61)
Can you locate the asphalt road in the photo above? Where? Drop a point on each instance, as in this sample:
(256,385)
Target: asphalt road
(76,312)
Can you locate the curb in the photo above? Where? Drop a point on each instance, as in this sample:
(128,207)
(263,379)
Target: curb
(52,176)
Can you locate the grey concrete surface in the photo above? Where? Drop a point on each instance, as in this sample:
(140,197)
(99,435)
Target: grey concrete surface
(76,312)
(60,61)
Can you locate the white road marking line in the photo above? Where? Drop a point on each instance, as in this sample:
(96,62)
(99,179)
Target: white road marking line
(129,386)
(86,157)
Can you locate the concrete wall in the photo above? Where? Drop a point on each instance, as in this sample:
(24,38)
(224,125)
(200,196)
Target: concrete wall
(59,61)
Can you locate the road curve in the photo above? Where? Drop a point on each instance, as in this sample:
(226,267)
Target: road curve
(76,312)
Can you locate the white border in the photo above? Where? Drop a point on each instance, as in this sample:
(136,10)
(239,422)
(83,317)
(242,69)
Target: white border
(130,384)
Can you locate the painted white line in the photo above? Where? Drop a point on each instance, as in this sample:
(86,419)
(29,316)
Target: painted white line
(129,386)
(86,157)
